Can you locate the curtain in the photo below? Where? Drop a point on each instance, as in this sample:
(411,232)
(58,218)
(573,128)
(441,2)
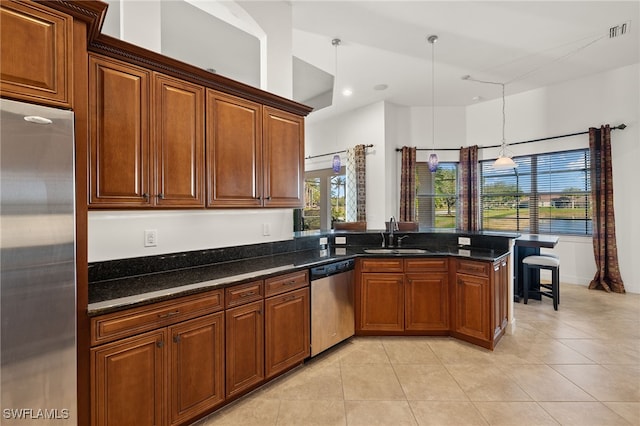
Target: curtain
(468,219)
(408,185)
(361,180)
(356,196)
(352,187)
(605,249)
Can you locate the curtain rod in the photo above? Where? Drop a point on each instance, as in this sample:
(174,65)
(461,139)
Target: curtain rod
(332,153)
(619,127)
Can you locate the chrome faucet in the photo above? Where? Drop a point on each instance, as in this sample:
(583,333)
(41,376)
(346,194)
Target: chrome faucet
(393,226)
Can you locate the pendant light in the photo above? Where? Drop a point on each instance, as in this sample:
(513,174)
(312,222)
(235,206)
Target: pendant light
(504,161)
(433,158)
(335,162)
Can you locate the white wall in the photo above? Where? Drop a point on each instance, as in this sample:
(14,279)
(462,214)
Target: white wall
(120,234)
(574,106)
(361,126)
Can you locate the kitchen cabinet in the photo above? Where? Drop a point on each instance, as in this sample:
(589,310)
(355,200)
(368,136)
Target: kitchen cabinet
(234,151)
(196,367)
(287,322)
(426,294)
(283,158)
(129,108)
(37,56)
(178,148)
(244,347)
(480,300)
(402,296)
(255,154)
(158,364)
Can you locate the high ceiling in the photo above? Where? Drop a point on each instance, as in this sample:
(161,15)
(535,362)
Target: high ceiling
(525,44)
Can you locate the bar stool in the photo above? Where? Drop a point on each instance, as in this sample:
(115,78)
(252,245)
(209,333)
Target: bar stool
(551,263)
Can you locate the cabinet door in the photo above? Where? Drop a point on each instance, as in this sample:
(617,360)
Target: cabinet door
(244,347)
(283,158)
(381,302)
(427,301)
(36,54)
(287,330)
(128,381)
(196,366)
(119,131)
(234,151)
(472,306)
(179,142)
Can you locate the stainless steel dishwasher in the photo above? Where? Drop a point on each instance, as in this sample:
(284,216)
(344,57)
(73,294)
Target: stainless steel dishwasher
(332,299)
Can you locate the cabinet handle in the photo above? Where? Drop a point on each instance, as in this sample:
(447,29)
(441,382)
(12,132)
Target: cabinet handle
(169,314)
(269,197)
(176,339)
(496,268)
(161,196)
(259,197)
(146,196)
(289,298)
(159,343)
(247,294)
(292,282)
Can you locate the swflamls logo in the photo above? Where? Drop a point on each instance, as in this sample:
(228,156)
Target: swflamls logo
(35,413)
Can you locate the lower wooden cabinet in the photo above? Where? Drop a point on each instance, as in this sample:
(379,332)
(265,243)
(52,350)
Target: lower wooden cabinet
(196,367)
(287,330)
(244,348)
(166,376)
(480,297)
(398,296)
(128,381)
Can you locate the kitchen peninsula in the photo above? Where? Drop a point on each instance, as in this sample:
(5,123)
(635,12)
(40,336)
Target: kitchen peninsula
(205,308)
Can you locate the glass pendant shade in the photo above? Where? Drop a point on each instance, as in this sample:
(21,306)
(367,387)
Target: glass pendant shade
(336,163)
(433,163)
(504,162)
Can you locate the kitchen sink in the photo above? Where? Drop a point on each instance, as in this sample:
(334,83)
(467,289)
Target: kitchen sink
(395,251)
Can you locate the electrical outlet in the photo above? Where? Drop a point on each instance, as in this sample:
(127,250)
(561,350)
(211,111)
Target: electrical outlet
(464,241)
(323,241)
(341,240)
(150,237)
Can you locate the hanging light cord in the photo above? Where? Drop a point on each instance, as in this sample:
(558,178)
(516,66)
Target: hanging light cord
(433,95)
(504,120)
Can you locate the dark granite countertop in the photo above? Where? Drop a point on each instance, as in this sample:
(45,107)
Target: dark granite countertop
(122,293)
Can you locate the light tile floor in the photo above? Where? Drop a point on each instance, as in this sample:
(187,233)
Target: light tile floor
(577,366)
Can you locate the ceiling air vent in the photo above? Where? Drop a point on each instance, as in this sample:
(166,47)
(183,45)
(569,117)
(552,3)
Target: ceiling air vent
(619,30)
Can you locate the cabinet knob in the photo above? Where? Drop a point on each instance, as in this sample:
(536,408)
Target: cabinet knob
(159,343)
(146,196)
(269,197)
(176,339)
(161,196)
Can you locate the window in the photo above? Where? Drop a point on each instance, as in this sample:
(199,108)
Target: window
(436,196)
(547,193)
(324,199)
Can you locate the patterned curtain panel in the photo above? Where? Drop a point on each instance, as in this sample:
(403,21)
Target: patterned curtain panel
(408,185)
(605,249)
(352,187)
(361,181)
(468,219)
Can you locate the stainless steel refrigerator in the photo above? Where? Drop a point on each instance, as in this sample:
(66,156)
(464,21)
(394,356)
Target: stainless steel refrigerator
(37,266)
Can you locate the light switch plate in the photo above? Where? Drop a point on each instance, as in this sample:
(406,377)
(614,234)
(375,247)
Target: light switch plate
(323,241)
(150,237)
(341,240)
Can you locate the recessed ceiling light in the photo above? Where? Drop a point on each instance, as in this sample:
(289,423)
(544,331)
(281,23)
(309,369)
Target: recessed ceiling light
(380,87)
(347,92)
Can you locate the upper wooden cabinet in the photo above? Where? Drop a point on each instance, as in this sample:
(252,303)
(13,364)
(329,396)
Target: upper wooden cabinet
(119,132)
(234,151)
(178,135)
(255,154)
(126,168)
(36,55)
(283,151)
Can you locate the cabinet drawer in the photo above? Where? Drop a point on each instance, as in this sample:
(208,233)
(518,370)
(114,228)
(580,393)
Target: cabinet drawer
(244,293)
(381,265)
(439,264)
(117,325)
(283,283)
(470,267)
